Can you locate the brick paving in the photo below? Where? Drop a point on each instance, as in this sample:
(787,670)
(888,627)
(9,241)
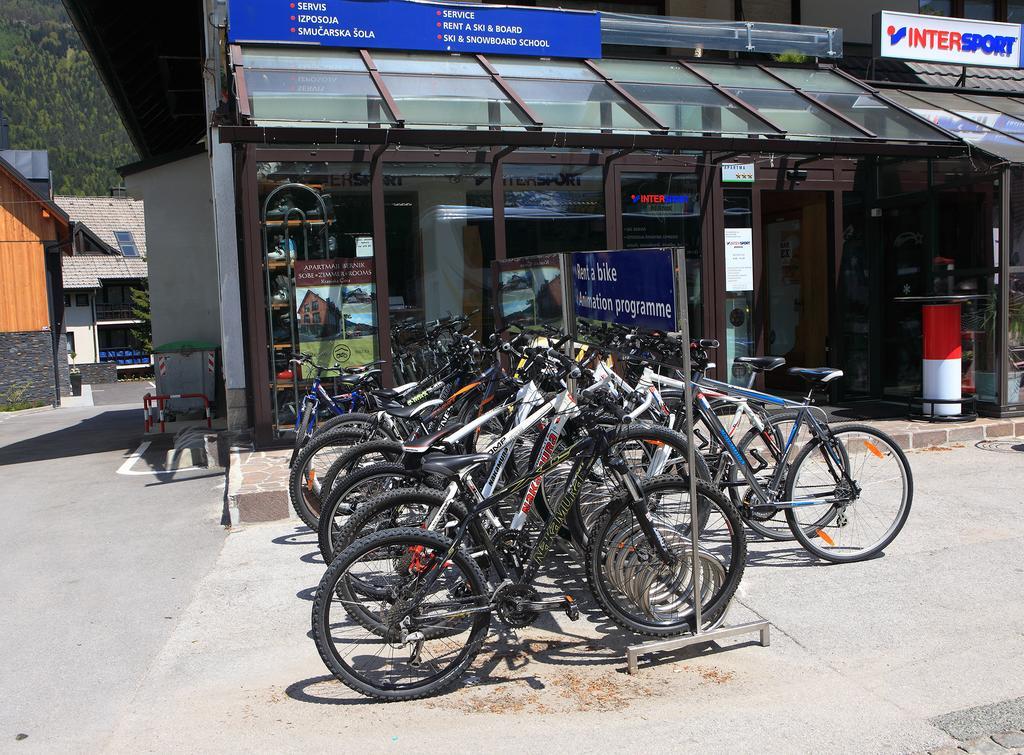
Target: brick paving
(1001,743)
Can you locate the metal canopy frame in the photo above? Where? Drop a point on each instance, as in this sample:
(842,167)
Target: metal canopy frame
(775,138)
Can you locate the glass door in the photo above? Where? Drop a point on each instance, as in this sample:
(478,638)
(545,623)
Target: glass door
(797,254)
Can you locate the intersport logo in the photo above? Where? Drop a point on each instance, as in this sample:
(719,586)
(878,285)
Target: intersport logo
(921,37)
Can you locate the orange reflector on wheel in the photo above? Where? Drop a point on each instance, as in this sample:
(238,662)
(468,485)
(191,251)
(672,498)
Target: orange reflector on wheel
(655,442)
(824,536)
(311,479)
(873,448)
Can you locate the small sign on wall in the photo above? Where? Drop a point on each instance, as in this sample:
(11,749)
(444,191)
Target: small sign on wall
(364,246)
(739,259)
(737,173)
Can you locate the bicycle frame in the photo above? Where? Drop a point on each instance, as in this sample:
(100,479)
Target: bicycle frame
(586,450)
(805,416)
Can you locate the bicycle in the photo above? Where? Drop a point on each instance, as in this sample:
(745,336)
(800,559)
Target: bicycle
(424,595)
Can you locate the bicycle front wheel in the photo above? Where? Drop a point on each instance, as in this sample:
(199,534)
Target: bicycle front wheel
(430,635)
(856,511)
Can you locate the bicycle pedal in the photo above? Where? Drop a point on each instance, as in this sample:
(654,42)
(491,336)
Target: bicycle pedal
(571,609)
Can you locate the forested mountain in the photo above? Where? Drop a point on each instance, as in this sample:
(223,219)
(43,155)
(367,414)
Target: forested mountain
(50,91)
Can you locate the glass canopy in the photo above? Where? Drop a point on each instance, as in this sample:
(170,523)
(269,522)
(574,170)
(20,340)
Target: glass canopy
(990,123)
(337,87)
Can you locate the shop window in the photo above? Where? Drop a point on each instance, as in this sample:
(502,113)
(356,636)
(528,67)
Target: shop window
(440,241)
(320,286)
(663,210)
(981,10)
(553,208)
(1015,299)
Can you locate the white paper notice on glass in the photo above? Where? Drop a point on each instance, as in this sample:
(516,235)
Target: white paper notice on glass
(739,259)
(364,246)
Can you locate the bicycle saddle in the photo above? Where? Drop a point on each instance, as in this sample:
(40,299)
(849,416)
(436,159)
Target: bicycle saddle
(761,364)
(816,374)
(409,412)
(445,465)
(419,445)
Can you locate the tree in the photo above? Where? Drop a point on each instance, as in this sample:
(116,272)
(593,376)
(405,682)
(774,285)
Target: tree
(143,329)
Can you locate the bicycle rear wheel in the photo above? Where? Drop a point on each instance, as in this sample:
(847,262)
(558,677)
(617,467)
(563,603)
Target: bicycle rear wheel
(860,516)
(431,635)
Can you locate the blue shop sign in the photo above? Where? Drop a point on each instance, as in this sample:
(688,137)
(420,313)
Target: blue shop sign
(636,287)
(410,25)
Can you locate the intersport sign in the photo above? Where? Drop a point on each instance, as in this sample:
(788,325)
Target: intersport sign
(935,39)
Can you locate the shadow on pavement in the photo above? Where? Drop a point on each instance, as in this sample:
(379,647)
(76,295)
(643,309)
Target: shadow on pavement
(109,431)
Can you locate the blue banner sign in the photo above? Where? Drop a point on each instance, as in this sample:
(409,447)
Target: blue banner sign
(636,287)
(409,25)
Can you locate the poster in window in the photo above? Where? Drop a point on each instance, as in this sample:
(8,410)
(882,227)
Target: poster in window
(336,315)
(530,292)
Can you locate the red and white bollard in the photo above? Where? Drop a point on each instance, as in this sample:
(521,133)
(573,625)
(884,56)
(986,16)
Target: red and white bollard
(942,351)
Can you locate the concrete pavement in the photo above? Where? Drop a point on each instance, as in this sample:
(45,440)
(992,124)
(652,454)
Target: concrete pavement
(96,569)
(901,654)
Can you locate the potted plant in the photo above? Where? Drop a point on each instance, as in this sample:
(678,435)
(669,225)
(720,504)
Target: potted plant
(76,376)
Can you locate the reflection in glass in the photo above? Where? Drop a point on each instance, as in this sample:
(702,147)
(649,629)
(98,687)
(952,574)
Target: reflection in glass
(298,96)
(662,210)
(553,208)
(982,10)
(579,105)
(854,298)
(936,7)
(452,100)
(440,239)
(696,110)
(796,115)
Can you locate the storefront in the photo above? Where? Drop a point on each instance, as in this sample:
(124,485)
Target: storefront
(379,187)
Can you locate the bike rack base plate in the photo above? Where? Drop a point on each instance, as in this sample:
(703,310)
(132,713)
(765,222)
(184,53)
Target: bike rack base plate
(633,652)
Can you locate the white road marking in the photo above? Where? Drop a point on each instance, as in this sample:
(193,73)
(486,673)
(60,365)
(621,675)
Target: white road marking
(126,467)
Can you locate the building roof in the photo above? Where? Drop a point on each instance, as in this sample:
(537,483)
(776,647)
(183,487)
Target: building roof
(25,184)
(104,215)
(910,74)
(88,271)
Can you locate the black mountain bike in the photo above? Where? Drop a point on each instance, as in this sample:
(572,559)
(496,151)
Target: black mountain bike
(400,614)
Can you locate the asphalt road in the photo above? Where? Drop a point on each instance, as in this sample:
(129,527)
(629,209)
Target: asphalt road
(96,569)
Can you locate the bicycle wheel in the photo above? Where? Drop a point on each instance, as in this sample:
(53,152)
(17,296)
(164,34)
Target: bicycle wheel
(357,419)
(429,637)
(352,492)
(358,457)
(649,450)
(763,451)
(305,488)
(641,593)
(407,507)
(859,517)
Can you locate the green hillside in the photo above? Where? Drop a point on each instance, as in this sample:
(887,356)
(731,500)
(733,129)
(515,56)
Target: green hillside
(54,99)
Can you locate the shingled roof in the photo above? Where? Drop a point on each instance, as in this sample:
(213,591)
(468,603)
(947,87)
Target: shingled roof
(90,270)
(104,215)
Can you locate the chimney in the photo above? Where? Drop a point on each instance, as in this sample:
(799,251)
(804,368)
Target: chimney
(119,192)
(5,132)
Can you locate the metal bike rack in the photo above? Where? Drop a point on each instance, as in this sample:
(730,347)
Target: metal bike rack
(701,635)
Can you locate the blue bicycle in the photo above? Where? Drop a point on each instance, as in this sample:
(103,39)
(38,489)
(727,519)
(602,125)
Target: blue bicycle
(360,382)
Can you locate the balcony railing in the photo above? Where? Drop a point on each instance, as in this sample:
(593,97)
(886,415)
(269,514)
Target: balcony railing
(114,312)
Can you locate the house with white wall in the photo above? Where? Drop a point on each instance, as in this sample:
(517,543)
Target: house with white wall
(104,263)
